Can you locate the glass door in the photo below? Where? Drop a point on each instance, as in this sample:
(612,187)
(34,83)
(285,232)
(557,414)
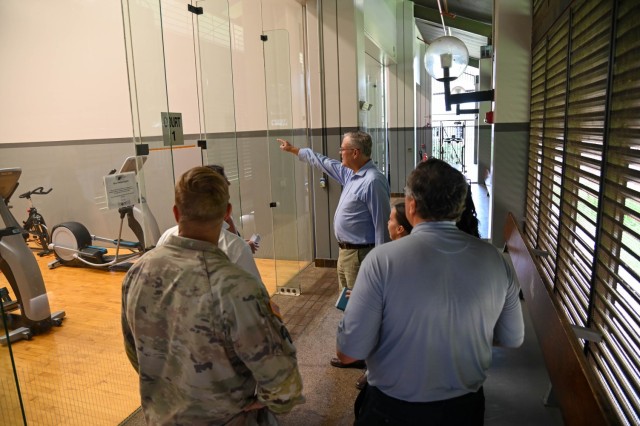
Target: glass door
(277,74)
(216,95)
(156,129)
(375,112)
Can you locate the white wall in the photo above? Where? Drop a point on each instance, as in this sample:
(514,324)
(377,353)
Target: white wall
(512,25)
(63,74)
(380,24)
(512,57)
(402,94)
(180,63)
(314,68)
(248,19)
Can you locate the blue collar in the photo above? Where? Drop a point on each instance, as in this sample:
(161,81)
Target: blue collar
(363,170)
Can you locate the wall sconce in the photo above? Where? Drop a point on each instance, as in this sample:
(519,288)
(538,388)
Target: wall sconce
(445,60)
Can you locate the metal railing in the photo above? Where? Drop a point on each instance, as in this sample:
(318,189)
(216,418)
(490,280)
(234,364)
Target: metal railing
(449,143)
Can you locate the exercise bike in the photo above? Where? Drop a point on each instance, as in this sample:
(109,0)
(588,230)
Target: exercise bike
(73,245)
(22,272)
(35,227)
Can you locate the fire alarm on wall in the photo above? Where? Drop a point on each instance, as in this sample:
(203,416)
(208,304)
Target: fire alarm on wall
(488,117)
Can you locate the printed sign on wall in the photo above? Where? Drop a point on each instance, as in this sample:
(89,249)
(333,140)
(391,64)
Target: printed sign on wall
(121,190)
(172,132)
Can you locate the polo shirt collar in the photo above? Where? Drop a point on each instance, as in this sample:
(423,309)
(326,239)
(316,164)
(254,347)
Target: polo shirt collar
(440,225)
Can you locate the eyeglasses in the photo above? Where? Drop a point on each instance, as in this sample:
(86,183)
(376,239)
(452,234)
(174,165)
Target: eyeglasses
(347,149)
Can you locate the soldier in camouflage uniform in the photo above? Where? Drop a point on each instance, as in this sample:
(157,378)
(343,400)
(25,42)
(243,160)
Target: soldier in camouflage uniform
(199,330)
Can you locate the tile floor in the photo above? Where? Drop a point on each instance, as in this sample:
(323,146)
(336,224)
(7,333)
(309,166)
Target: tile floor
(514,390)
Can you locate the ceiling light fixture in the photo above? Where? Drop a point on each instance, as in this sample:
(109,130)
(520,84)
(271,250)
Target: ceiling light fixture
(445,60)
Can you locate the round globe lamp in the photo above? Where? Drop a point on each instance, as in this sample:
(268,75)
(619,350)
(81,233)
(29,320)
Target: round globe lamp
(446,58)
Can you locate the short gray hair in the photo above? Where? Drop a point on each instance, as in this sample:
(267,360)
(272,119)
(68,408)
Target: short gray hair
(360,140)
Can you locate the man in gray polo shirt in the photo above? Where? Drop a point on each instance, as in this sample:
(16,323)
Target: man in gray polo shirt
(426,310)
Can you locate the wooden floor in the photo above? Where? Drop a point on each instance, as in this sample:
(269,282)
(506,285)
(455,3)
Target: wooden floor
(78,374)
(279,273)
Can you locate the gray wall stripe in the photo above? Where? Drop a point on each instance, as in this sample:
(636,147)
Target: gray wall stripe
(512,127)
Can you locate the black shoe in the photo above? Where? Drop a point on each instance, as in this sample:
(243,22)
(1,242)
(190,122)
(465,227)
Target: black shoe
(356,364)
(362,381)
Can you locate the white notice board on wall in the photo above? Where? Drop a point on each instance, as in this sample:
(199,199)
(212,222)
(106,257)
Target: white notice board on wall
(121,190)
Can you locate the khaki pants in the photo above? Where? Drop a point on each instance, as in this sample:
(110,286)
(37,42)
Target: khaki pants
(349,261)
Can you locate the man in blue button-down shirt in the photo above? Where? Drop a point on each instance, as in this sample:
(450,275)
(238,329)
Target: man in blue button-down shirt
(360,221)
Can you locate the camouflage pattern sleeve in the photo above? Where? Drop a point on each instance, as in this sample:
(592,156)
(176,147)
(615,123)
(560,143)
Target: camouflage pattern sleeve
(263,343)
(129,342)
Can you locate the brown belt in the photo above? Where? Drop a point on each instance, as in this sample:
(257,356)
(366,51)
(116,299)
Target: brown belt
(355,246)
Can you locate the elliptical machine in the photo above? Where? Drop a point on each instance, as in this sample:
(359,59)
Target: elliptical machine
(21,270)
(72,242)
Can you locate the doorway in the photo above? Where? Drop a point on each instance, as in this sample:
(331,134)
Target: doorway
(374,119)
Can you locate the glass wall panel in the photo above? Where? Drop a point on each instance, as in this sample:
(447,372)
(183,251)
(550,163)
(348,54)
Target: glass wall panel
(375,118)
(217,109)
(155,126)
(10,399)
(282,169)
